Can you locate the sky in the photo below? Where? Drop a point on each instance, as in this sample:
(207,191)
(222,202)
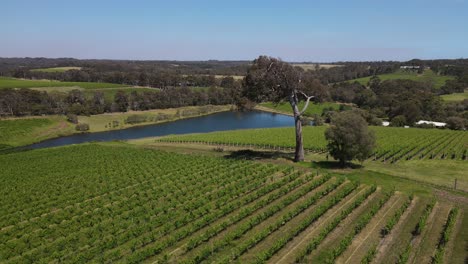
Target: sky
(293,30)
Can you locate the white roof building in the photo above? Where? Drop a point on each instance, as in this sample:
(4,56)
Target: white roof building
(436,124)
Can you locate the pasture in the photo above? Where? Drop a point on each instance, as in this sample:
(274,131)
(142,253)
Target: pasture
(116,202)
(311,110)
(428,76)
(312,66)
(455,97)
(6,82)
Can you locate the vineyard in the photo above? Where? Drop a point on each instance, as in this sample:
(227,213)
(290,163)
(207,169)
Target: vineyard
(393,144)
(119,203)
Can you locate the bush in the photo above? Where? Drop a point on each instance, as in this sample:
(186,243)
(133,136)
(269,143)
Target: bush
(398,121)
(456,123)
(72,118)
(318,120)
(82,127)
(135,119)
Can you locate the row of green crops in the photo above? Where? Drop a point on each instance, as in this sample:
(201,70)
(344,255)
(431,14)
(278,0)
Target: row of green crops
(393,144)
(116,202)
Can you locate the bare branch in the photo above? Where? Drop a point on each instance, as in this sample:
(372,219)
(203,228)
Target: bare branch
(307,102)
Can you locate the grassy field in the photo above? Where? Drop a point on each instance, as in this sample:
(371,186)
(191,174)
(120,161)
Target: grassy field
(25,131)
(116,202)
(22,83)
(311,66)
(456,97)
(56,69)
(312,109)
(109,121)
(427,76)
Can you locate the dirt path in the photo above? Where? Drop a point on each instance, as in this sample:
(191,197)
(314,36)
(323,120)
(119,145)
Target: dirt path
(287,254)
(370,235)
(179,248)
(416,241)
(451,243)
(344,228)
(386,243)
(431,235)
(261,225)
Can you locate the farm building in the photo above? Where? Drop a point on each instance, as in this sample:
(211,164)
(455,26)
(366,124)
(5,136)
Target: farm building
(436,124)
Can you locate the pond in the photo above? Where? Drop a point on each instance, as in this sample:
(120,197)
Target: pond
(214,122)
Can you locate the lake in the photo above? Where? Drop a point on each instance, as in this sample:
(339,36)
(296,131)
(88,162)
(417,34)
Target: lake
(209,123)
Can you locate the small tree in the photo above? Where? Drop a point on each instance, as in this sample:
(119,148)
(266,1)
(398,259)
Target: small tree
(398,121)
(349,138)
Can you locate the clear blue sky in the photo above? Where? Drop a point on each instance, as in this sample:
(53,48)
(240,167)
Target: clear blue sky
(293,30)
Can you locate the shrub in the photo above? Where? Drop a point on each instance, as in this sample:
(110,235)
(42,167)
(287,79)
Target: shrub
(135,119)
(398,121)
(82,127)
(72,118)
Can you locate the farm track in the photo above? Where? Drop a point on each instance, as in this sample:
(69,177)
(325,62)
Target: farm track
(288,228)
(265,222)
(230,219)
(370,235)
(288,253)
(430,237)
(345,227)
(396,236)
(451,243)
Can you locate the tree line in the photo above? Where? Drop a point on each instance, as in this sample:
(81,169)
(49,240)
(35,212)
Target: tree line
(23,102)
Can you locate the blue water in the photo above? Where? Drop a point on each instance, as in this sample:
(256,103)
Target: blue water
(215,122)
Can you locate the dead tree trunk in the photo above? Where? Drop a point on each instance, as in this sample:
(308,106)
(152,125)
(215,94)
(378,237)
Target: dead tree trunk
(294,101)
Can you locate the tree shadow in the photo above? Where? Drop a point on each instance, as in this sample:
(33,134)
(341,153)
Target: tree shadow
(334,165)
(248,154)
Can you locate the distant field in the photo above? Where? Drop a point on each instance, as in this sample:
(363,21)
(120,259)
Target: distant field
(311,66)
(219,76)
(456,97)
(56,69)
(236,77)
(427,76)
(311,109)
(21,83)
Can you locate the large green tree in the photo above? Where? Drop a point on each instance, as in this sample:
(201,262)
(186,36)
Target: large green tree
(349,138)
(270,79)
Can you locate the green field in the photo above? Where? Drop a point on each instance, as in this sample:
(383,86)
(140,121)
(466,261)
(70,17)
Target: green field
(311,109)
(455,97)
(56,69)
(116,202)
(105,122)
(311,66)
(427,76)
(21,83)
(20,132)
(393,144)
